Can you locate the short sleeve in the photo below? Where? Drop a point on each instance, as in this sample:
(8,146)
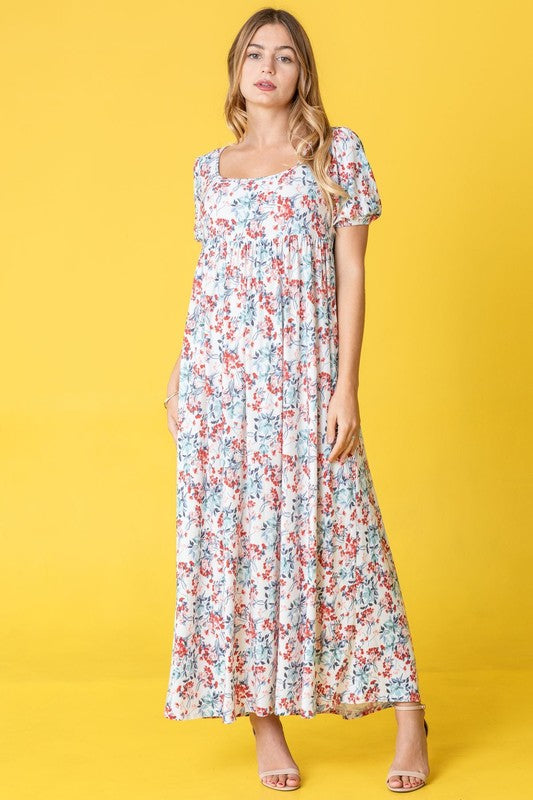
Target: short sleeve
(198,192)
(353,172)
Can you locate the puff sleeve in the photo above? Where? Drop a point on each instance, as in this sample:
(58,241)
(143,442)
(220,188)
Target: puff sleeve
(198,191)
(353,172)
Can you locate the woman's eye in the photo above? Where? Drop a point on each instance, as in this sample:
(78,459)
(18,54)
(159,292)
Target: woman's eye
(286,58)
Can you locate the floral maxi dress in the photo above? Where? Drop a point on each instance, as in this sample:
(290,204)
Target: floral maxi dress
(287,597)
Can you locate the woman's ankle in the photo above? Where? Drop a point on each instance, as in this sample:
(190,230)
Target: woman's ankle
(261,718)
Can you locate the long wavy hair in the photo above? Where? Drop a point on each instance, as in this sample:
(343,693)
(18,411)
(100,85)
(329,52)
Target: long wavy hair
(309,129)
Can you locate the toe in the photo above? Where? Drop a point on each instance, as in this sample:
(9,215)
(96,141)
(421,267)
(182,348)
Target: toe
(404,781)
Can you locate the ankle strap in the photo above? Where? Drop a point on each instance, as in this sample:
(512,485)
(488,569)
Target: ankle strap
(413,705)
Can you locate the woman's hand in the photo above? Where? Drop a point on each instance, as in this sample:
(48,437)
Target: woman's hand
(343,413)
(173,386)
(172,415)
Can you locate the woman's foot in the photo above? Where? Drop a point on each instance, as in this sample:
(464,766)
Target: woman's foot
(411,747)
(272,750)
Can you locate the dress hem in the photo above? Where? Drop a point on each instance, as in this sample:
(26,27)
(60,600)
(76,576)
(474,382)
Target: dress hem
(342,710)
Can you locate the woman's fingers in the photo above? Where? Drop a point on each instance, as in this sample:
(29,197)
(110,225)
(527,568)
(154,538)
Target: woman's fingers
(345,444)
(330,428)
(348,450)
(351,448)
(173,427)
(172,417)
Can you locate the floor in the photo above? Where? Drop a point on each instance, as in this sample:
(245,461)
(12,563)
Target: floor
(103,740)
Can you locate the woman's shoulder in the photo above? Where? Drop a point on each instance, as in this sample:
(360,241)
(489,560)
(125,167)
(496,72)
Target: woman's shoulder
(204,163)
(205,166)
(346,147)
(344,137)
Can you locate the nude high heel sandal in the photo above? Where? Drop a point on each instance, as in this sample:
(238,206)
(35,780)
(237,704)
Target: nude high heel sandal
(281,771)
(410,772)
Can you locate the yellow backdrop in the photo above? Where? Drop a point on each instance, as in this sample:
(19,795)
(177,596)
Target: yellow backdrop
(105,107)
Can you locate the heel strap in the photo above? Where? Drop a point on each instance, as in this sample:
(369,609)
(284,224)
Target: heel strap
(406,708)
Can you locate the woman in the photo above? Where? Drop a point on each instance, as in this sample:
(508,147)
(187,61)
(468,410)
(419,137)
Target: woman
(288,601)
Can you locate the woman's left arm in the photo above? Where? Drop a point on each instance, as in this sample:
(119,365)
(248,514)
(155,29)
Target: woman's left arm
(343,410)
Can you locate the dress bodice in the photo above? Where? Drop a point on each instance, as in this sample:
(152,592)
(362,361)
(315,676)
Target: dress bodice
(287,203)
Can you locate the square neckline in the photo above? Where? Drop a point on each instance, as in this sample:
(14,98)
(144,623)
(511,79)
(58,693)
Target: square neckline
(260,178)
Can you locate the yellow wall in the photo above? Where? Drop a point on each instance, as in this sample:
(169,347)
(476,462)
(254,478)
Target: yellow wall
(105,107)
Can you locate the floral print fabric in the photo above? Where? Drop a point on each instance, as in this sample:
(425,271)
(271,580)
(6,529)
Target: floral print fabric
(287,597)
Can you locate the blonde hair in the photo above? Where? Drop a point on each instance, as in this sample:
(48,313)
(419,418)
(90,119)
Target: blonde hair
(309,128)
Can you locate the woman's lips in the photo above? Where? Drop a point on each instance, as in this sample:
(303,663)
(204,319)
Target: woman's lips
(265,87)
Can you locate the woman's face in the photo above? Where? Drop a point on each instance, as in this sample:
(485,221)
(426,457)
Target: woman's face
(271,57)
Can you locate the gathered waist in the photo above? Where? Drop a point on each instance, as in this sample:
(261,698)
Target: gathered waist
(223,242)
